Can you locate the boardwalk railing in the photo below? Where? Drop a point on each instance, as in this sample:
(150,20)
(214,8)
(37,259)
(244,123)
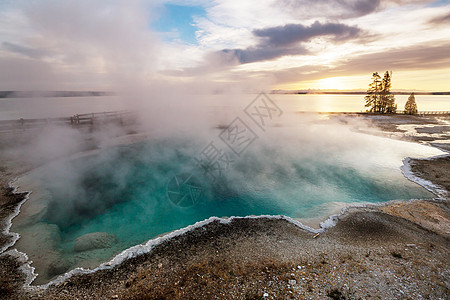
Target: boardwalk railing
(422,113)
(79,120)
(103,117)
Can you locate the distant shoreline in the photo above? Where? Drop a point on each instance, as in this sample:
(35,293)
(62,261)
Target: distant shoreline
(63,94)
(35,94)
(353,93)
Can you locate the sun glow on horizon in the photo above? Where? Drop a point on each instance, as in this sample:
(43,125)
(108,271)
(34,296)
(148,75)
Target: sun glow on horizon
(331,83)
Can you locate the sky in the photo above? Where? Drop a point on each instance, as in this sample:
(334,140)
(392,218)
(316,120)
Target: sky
(213,46)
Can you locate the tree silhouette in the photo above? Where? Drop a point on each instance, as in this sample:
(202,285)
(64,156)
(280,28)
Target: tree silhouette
(373,94)
(411,106)
(379,98)
(387,98)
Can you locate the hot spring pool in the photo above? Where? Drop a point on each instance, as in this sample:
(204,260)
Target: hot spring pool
(123,192)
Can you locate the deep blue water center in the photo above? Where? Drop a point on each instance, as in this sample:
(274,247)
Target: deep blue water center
(124,190)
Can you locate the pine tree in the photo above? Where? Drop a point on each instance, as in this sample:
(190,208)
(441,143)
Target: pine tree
(411,106)
(387,98)
(379,98)
(373,97)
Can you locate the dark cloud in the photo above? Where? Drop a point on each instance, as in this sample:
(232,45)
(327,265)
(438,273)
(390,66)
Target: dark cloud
(262,53)
(23,50)
(441,20)
(294,33)
(274,42)
(287,40)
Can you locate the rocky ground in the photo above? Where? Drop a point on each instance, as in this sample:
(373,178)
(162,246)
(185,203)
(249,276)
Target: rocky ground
(400,250)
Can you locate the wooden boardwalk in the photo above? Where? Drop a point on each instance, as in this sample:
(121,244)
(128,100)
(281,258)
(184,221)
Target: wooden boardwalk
(78,120)
(424,113)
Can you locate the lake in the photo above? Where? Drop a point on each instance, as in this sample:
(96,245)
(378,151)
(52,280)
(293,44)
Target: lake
(30,108)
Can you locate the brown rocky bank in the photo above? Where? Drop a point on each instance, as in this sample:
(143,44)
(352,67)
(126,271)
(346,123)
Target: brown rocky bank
(368,254)
(435,170)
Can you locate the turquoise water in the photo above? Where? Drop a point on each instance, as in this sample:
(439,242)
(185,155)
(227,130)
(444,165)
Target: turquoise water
(134,204)
(123,190)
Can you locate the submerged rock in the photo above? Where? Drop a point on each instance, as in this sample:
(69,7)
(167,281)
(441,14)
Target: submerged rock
(94,240)
(57,267)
